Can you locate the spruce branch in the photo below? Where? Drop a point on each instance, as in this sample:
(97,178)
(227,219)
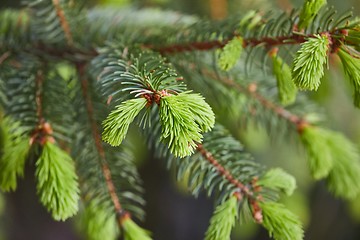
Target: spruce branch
(123,217)
(243,190)
(63,22)
(298,121)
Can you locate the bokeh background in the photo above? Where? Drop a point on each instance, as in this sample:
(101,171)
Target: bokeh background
(173,214)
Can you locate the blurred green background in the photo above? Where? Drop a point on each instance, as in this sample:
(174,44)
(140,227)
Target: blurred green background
(172,214)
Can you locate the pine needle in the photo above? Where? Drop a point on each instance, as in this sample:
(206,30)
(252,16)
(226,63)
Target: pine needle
(133,232)
(57,184)
(223,220)
(230,54)
(309,11)
(309,63)
(286,87)
(15,148)
(278,179)
(98,220)
(280,222)
(118,121)
(320,157)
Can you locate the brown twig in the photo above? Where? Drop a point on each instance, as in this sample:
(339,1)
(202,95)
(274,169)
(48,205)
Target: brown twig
(204,46)
(121,213)
(251,90)
(244,191)
(64,23)
(4,56)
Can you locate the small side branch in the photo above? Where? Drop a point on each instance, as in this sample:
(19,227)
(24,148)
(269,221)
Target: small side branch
(63,21)
(296,120)
(98,144)
(244,191)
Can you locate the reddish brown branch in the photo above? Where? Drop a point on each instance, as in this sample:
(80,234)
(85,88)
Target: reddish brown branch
(38,95)
(251,90)
(64,23)
(99,147)
(224,172)
(243,190)
(203,46)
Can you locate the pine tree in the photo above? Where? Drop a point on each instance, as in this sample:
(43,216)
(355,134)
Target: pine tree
(73,81)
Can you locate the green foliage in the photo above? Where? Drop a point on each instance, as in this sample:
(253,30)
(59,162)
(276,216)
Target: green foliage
(319,152)
(351,67)
(117,123)
(57,184)
(309,11)
(333,156)
(343,179)
(98,220)
(278,179)
(230,54)
(309,62)
(280,222)
(184,117)
(286,87)
(223,220)
(133,232)
(15,147)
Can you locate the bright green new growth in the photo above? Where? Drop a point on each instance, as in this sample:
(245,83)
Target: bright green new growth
(230,54)
(203,114)
(118,121)
(15,148)
(183,118)
(343,179)
(286,87)
(351,67)
(223,220)
(278,179)
(309,11)
(333,156)
(320,156)
(280,222)
(57,183)
(98,221)
(133,232)
(308,68)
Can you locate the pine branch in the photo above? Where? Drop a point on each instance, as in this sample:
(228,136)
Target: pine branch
(63,21)
(124,221)
(98,143)
(244,191)
(298,121)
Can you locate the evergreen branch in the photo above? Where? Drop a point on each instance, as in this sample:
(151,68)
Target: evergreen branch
(124,221)
(298,121)
(224,172)
(98,143)
(244,191)
(63,22)
(267,42)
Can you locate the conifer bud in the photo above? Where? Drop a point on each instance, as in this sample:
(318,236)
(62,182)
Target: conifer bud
(309,11)
(286,87)
(308,68)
